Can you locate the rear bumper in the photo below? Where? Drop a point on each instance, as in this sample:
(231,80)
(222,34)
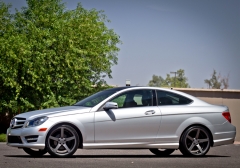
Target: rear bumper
(226,141)
(226,137)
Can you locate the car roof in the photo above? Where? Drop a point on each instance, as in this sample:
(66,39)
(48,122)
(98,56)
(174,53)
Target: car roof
(116,89)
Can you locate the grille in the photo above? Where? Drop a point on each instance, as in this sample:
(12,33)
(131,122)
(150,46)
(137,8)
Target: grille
(31,138)
(14,139)
(17,122)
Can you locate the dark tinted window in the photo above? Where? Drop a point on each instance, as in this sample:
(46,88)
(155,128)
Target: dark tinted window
(136,98)
(168,98)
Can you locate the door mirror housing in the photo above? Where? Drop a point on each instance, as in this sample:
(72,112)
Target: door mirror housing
(110,105)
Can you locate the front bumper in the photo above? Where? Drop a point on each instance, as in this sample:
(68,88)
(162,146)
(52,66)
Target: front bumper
(28,137)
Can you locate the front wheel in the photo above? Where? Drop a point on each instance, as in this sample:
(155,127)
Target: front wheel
(162,152)
(195,141)
(35,152)
(62,141)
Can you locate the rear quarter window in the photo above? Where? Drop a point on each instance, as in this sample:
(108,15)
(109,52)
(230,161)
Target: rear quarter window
(168,98)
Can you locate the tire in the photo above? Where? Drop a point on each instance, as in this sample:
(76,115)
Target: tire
(35,152)
(162,152)
(62,141)
(195,141)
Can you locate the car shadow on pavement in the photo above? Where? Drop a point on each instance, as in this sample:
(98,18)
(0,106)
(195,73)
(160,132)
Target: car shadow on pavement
(118,156)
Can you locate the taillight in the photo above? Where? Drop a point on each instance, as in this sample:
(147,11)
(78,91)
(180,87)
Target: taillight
(227,116)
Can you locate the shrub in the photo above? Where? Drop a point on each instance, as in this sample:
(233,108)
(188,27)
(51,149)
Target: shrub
(3,138)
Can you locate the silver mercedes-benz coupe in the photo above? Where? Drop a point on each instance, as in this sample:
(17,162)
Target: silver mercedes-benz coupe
(161,120)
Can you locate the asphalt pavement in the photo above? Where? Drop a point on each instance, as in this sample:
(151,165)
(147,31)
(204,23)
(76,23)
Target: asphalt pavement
(227,156)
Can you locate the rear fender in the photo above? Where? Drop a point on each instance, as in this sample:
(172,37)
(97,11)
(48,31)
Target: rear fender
(193,121)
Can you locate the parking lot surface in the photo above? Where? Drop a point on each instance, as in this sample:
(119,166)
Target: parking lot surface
(224,156)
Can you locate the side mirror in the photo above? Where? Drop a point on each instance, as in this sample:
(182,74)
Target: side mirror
(110,105)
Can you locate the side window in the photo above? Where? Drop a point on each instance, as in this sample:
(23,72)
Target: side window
(119,100)
(168,98)
(136,98)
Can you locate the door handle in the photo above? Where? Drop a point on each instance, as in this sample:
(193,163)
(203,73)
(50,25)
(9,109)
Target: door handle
(149,112)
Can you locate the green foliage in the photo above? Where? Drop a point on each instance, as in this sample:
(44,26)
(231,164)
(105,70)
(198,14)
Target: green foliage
(51,56)
(157,81)
(3,138)
(120,100)
(179,81)
(216,81)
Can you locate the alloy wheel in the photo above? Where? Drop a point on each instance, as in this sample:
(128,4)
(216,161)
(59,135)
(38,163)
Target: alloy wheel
(62,141)
(196,142)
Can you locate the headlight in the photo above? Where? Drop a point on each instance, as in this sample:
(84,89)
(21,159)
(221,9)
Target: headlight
(36,122)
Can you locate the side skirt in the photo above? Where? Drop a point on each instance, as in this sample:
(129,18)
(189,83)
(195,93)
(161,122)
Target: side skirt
(130,145)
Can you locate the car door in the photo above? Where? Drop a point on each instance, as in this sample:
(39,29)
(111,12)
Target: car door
(173,107)
(136,120)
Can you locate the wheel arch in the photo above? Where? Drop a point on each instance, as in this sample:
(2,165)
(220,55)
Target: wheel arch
(72,125)
(195,121)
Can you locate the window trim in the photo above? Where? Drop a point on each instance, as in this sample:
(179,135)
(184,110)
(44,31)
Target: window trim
(154,92)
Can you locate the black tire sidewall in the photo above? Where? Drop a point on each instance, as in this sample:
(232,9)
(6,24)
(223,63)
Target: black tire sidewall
(34,153)
(166,152)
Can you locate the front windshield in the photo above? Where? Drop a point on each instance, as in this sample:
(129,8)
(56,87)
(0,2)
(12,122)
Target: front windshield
(94,99)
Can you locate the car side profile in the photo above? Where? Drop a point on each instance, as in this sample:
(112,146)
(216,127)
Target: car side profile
(158,119)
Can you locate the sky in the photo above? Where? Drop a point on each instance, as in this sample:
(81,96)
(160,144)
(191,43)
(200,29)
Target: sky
(163,36)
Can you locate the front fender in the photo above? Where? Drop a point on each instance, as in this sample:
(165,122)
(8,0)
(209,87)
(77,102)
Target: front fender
(84,123)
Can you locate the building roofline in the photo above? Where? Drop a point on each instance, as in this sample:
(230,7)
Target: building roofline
(182,89)
(206,90)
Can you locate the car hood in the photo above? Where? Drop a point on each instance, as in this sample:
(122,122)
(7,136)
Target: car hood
(51,112)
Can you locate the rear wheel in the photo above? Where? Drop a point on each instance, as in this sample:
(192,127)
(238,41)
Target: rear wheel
(162,152)
(62,141)
(195,141)
(35,152)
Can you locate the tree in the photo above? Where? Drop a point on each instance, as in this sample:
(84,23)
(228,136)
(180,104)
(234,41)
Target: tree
(208,82)
(225,82)
(216,81)
(6,28)
(157,81)
(51,56)
(179,81)
(216,84)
